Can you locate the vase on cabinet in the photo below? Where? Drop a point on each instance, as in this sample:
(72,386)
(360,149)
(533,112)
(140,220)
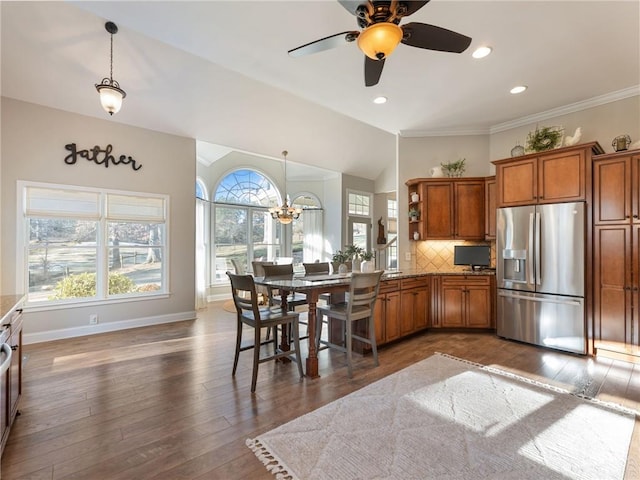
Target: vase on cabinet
(416,236)
(367,266)
(415,198)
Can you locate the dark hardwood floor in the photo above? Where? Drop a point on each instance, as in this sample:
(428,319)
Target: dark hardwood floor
(160,402)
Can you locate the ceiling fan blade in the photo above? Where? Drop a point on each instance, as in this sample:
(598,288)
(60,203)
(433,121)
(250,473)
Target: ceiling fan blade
(422,35)
(413,6)
(372,71)
(352,5)
(324,43)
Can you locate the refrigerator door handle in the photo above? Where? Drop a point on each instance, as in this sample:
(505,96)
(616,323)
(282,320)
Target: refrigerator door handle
(538,299)
(530,255)
(538,249)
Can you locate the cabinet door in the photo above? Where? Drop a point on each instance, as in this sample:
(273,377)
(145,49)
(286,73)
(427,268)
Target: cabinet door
(478,306)
(469,210)
(379,319)
(407,307)
(438,214)
(15,373)
(634,333)
(452,306)
(635,188)
(517,182)
(562,177)
(612,191)
(392,316)
(612,282)
(490,209)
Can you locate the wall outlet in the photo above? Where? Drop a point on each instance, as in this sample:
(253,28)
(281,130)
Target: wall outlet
(93,319)
(407,256)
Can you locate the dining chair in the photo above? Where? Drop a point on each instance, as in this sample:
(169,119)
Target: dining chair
(363,292)
(316,268)
(245,298)
(294,299)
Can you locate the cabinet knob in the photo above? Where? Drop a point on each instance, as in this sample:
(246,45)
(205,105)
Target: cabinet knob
(626,216)
(635,216)
(14,347)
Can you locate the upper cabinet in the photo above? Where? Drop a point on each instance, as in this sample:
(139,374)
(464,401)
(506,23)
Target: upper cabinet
(449,208)
(560,175)
(490,208)
(616,188)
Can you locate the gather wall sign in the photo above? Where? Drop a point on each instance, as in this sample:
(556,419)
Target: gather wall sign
(100,156)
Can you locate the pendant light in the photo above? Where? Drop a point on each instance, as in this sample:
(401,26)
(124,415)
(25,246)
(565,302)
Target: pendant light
(111,94)
(285,214)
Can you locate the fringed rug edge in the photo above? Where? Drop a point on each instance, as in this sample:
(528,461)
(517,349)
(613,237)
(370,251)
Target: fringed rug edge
(272,462)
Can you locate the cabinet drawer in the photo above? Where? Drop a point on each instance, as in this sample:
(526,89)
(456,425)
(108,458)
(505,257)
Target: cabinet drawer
(466,280)
(416,282)
(387,286)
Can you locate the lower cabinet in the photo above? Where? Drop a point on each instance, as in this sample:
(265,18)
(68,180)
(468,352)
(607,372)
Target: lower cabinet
(414,304)
(11,380)
(465,301)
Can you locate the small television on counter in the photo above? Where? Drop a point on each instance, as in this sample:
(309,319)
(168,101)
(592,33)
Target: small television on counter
(475,256)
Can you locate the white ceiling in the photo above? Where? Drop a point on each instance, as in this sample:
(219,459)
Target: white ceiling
(565,51)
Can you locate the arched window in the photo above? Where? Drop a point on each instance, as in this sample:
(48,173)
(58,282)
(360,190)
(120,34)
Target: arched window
(246,187)
(242,226)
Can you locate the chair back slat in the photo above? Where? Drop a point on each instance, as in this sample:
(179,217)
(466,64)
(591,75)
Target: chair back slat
(316,268)
(278,271)
(245,297)
(363,290)
(258,270)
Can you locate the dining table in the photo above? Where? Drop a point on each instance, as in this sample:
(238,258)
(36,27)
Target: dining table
(312,286)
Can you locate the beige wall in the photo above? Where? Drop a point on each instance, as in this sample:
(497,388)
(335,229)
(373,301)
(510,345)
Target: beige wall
(417,155)
(33,149)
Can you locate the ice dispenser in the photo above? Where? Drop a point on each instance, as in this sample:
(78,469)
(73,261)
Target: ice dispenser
(514,268)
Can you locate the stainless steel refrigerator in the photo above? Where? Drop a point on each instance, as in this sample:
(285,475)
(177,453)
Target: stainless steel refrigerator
(540,257)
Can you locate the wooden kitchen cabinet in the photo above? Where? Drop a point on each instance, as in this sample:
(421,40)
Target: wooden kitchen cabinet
(11,380)
(387,312)
(490,208)
(616,254)
(559,175)
(451,208)
(414,305)
(465,302)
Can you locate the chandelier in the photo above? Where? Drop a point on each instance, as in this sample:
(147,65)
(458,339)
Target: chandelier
(111,94)
(285,214)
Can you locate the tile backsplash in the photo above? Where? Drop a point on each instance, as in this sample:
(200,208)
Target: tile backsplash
(437,255)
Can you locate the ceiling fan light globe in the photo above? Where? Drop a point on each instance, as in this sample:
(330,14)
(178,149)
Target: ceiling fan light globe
(379,40)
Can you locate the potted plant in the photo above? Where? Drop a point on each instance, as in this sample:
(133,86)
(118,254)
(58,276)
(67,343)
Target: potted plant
(355,254)
(454,169)
(367,265)
(414,214)
(339,262)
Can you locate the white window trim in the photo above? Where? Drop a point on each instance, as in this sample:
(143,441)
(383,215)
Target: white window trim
(22,245)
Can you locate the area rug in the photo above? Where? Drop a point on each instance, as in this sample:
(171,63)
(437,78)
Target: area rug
(445,418)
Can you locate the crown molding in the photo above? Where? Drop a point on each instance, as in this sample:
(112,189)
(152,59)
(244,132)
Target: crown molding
(567,109)
(529,119)
(444,133)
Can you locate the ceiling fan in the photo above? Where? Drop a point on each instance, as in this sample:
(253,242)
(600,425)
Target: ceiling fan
(381,34)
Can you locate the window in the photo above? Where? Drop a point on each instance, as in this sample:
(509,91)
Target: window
(83,244)
(359,204)
(307,238)
(392,231)
(243,228)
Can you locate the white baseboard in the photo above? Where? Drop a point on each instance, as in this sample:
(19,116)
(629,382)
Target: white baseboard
(106,327)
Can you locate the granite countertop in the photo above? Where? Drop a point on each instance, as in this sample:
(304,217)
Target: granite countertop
(391,274)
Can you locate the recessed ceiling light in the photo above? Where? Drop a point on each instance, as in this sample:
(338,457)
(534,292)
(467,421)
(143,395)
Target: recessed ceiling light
(380,100)
(518,89)
(481,52)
